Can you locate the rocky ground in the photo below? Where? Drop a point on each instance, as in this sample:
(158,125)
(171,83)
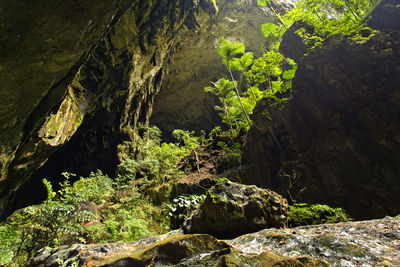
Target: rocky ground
(363,243)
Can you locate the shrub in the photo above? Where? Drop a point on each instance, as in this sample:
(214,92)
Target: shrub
(62,219)
(149,159)
(97,188)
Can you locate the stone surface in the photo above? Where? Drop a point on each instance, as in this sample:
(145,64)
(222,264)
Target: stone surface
(337,140)
(231,209)
(365,243)
(169,250)
(182,102)
(74,74)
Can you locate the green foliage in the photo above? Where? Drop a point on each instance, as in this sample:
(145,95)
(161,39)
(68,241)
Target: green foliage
(218,136)
(56,221)
(97,188)
(180,207)
(8,246)
(324,18)
(229,142)
(273,34)
(242,63)
(124,224)
(93,209)
(222,180)
(265,76)
(305,214)
(221,88)
(266,67)
(264,2)
(148,159)
(234,149)
(229,50)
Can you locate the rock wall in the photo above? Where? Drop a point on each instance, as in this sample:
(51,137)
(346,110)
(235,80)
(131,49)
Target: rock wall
(74,74)
(337,140)
(182,102)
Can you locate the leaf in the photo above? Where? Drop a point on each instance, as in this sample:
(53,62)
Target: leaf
(264,2)
(222,87)
(276,86)
(288,74)
(234,64)
(228,50)
(270,30)
(246,60)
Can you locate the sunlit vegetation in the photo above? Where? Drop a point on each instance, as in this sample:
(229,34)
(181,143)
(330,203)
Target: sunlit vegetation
(270,76)
(321,19)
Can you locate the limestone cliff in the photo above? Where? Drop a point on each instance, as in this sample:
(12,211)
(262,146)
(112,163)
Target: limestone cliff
(337,140)
(77,73)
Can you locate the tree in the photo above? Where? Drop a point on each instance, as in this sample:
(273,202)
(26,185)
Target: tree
(228,51)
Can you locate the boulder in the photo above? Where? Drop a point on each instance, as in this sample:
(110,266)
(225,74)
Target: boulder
(231,209)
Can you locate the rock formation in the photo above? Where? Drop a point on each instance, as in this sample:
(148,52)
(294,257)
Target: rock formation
(74,75)
(337,140)
(368,243)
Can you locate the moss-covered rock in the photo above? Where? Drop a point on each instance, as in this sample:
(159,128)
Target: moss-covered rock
(231,209)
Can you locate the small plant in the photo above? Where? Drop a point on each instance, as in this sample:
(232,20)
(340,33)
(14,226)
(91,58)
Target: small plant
(306,214)
(180,207)
(222,180)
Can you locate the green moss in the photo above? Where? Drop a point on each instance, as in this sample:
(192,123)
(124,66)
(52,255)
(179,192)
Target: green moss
(305,214)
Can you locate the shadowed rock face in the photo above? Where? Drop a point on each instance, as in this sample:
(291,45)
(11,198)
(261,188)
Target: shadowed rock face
(42,47)
(74,74)
(337,140)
